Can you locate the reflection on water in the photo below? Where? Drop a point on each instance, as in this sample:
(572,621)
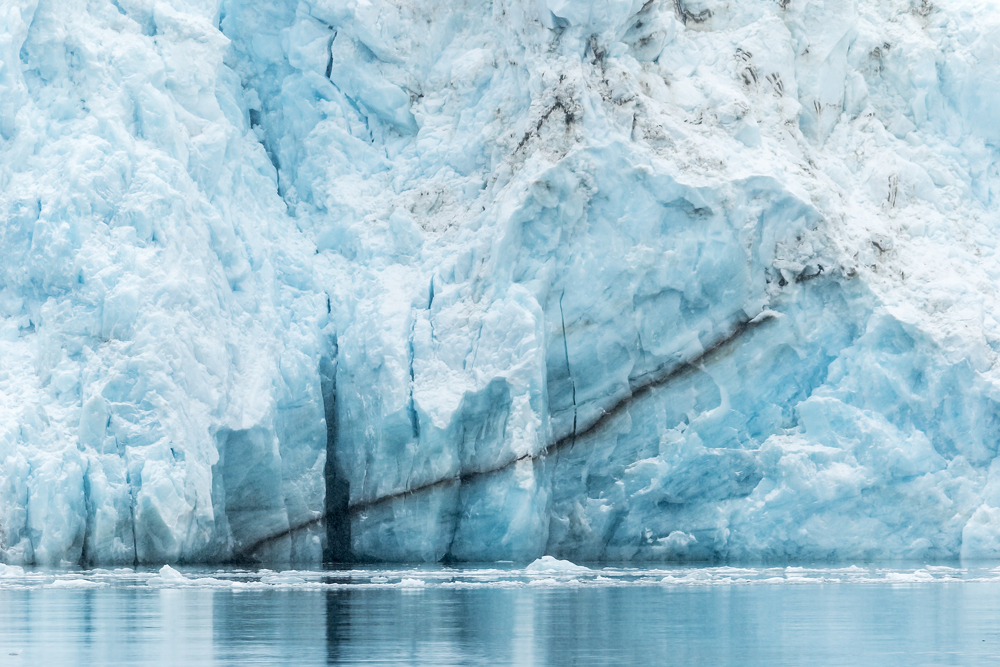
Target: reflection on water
(815,623)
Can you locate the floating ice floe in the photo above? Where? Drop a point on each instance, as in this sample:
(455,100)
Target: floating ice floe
(75,583)
(11,571)
(551,565)
(168,577)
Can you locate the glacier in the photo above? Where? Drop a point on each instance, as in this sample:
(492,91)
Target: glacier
(406,280)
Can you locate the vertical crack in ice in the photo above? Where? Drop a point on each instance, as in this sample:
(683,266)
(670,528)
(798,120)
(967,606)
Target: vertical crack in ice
(410,407)
(256,120)
(475,349)
(329,54)
(449,556)
(329,77)
(642,348)
(131,509)
(430,302)
(338,489)
(369,460)
(569,371)
(89,515)
(27,514)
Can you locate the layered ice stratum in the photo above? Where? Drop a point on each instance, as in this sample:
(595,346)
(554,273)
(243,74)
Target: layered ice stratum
(414,280)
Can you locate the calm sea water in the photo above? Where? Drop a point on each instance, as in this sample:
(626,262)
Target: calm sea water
(692,616)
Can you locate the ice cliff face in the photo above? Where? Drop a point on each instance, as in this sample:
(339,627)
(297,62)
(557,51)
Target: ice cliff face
(486,280)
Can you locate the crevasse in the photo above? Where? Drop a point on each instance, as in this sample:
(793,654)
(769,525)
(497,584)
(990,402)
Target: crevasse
(596,279)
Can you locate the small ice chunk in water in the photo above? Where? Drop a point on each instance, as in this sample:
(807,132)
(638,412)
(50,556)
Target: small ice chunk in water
(168,573)
(168,576)
(75,583)
(909,578)
(549,564)
(548,581)
(412,583)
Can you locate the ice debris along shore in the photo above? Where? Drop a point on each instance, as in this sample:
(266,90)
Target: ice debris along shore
(490,280)
(552,574)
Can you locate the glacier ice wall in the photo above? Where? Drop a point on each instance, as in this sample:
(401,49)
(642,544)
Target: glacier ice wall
(601,279)
(158,380)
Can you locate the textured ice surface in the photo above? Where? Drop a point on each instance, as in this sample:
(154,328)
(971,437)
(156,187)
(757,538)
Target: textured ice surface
(601,280)
(159,397)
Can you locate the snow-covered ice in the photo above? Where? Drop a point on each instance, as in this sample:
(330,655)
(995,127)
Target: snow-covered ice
(595,280)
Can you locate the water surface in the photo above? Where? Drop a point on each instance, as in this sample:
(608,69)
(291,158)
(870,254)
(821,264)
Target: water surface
(859,615)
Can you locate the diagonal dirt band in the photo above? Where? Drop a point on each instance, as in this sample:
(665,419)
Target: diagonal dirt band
(640,387)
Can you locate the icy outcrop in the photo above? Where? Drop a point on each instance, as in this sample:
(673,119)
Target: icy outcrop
(497,280)
(158,389)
